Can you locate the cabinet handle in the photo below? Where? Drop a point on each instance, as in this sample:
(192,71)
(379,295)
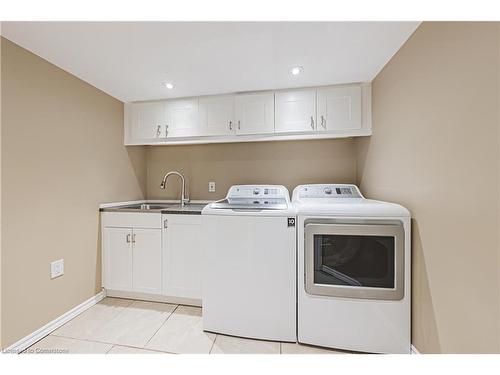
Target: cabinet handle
(133,238)
(312,123)
(230,125)
(239,127)
(128,238)
(158,131)
(166,130)
(323,122)
(165,223)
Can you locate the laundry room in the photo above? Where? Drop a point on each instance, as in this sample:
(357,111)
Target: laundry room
(250,187)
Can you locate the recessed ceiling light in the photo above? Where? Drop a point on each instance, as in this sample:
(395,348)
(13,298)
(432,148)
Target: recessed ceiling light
(169,86)
(296,70)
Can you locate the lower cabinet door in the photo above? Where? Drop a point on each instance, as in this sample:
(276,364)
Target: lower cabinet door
(182,263)
(147,260)
(117,257)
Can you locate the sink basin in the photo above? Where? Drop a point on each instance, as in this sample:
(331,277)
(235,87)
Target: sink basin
(146,207)
(189,208)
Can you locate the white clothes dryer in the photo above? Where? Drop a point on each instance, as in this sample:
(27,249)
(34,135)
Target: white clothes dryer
(353,279)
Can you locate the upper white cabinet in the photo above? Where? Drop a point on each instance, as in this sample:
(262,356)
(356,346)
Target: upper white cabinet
(144,122)
(339,108)
(295,111)
(157,122)
(254,113)
(217,115)
(181,118)
(324,112)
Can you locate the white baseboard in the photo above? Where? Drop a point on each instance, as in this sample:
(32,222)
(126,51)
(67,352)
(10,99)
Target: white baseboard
(154,297)
(414,350)
(50,327)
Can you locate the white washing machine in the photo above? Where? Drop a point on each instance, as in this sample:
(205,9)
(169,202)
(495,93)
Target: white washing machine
(353,270)
(249,281)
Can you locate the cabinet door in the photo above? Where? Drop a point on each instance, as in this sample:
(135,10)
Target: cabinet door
(146,121)
(339,108)
(117,256)
(254,113)
(295,111)
(182,118)
(217,115)
(147,260)
(182,256)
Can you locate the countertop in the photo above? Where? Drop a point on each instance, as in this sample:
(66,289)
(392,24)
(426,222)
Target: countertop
(164,207)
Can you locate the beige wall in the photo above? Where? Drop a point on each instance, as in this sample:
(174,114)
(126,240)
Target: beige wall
(62,155)
(285,163)
(1,316)
(498,200)
(435,149)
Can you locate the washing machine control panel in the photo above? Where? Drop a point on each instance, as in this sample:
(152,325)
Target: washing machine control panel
(329,191)
(262,197)
(257,191)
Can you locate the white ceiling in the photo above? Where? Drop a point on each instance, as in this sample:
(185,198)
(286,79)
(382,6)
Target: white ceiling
(132,60)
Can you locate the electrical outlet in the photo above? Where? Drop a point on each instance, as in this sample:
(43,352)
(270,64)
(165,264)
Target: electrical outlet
(211,187)
(57,268)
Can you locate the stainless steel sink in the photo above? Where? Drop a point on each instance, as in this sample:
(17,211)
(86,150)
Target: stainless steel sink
(145,207)
(188,208)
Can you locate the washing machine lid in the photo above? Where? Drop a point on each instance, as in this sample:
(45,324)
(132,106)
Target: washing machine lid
(341,200)
(257,199)
(246,203)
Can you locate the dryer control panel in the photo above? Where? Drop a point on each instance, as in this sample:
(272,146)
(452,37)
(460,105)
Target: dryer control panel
(327,191)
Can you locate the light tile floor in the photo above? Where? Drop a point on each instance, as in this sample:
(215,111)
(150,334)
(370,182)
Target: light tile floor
(120,326)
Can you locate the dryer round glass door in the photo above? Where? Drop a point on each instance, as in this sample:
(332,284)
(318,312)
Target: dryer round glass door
(354,260)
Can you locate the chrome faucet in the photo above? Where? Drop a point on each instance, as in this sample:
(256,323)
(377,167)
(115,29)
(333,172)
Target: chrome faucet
(163,185)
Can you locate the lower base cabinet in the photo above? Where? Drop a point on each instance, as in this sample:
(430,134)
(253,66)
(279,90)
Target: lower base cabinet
(117,258)
(132,259)
(182,256)
(146,260)
(163,260)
